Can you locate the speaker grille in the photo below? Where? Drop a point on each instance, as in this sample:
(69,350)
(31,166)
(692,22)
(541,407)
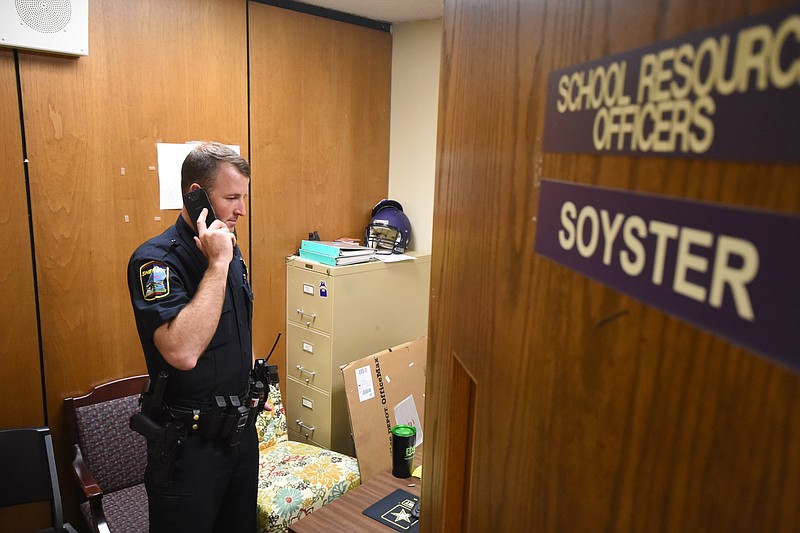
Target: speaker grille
(45,16)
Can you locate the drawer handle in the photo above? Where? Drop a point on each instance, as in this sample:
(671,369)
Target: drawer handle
(309,372)
(300,423)
(312,316)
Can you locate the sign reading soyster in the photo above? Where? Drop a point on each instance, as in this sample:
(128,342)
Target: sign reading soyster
(729,93)
(734,272)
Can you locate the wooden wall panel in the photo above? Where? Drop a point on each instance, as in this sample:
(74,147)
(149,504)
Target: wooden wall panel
(156,72)
(320,97)
(19,338)
(21,393)
(639,423)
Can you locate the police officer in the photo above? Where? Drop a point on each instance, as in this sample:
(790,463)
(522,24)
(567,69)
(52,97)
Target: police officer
(193,309)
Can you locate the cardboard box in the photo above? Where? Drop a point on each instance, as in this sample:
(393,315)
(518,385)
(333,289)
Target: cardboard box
(385,389)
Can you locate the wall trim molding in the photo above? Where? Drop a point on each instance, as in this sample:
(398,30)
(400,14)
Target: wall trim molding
(329,14)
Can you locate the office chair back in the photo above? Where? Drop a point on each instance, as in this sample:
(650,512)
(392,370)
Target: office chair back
(28,467)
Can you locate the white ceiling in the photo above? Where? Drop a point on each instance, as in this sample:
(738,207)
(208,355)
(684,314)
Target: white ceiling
(385,10)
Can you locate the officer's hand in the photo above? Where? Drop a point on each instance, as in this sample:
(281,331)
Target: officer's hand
(267,407)
(215,241)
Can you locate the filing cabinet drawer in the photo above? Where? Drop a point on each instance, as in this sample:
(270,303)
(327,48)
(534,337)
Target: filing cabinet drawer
(297,437)
(309,356)
(308,298)
(312,408)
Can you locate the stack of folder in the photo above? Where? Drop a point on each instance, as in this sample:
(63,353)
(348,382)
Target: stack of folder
(336,253)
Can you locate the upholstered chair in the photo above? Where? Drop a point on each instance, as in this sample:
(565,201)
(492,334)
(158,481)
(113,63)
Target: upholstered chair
(295,478)
(109,458)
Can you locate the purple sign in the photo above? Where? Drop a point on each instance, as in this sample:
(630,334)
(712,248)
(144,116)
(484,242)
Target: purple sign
(734,272)
(730,93)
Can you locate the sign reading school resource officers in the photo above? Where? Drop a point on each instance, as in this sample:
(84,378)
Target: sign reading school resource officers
(730,93)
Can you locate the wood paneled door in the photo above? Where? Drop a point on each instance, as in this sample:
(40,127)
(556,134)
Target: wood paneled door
(555,403)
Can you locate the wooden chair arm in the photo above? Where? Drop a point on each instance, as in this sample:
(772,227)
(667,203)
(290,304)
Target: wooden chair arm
(91,490)
(84,476)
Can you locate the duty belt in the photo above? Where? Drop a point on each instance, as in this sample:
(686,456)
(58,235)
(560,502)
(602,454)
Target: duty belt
(226,418)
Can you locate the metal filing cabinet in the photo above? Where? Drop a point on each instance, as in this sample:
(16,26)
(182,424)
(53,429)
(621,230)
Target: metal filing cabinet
(335,315)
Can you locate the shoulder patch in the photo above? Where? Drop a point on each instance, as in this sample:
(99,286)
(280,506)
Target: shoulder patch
(154,277)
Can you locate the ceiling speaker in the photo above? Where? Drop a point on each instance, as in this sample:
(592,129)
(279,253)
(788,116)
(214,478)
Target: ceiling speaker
(60,26)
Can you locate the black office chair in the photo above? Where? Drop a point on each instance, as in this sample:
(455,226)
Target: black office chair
(28,473)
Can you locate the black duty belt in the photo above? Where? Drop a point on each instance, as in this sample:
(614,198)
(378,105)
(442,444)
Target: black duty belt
(226,418)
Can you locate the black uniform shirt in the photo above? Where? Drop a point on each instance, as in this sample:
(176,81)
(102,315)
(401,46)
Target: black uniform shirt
(163,276)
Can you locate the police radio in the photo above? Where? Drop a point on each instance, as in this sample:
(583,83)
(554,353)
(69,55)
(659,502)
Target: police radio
(262,376)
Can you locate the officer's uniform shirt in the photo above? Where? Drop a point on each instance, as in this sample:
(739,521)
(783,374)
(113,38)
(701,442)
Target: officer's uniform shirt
(164,274)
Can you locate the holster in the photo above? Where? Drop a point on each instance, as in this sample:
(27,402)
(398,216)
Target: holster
(163,440)
(162,445)
(164,453)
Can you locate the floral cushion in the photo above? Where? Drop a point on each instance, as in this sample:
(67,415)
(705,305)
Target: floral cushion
(271,425)
(295,478)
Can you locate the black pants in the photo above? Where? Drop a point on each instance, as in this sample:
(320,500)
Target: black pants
(214,488)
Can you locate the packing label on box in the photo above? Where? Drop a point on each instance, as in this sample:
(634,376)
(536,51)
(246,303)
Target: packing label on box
(366,389)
